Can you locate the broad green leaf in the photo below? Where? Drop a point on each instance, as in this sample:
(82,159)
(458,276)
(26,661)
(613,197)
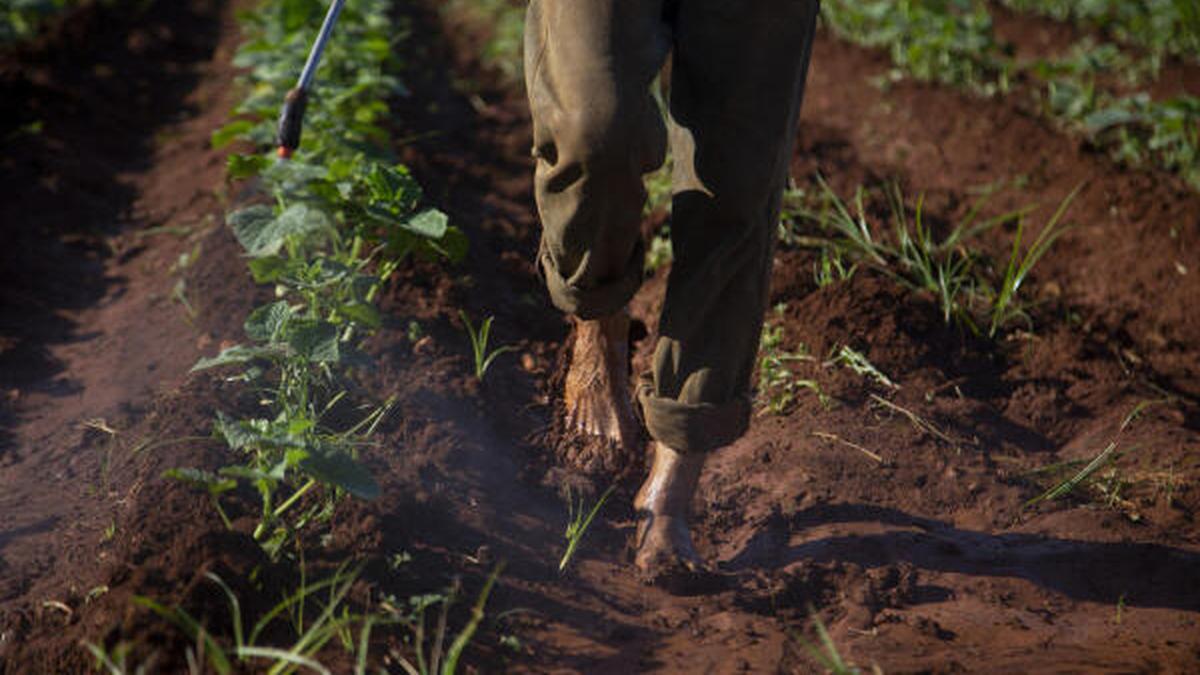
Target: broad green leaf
(429,223)
(247,223)
(230,132)
(244,166)
(297,426)
(250,473)
(201,478)
(267,268)
(294,175)
(315,340)
(334,467)
(237,433)
(266,323)
(236,354)
(361,312)
(261,237)
(453,245)
(1108,117)
(298,14)
(392,187)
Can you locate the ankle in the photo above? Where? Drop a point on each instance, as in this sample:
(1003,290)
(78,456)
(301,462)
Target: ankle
(668,490)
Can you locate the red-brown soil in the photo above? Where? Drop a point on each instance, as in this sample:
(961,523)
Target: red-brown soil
(926,561)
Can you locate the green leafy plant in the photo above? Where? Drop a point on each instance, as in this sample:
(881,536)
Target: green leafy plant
(578,521)
(332,230)
(953,42)
(778,384)
(1159,26)
(947,41)
(479,345)
(858,362)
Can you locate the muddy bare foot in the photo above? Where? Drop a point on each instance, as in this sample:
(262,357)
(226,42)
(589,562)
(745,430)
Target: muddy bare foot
(665,555)
(597,395)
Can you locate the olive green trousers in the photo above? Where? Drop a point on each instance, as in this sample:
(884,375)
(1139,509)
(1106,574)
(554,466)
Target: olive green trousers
(736,82)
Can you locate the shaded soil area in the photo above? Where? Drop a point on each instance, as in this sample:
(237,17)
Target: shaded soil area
(899,515)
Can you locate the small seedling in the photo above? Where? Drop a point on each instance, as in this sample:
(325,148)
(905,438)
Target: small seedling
(578,524)
(95,592)
(832,268)
(479,344)
(414,332)
(99,424)
(398,560)
(858,362)
(777,383)
(1005,307)
(1118,616)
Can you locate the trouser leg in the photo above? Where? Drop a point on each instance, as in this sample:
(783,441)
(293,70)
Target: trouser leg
(597,129)
(737,81)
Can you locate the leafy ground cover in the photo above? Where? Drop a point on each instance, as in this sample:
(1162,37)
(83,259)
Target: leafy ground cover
(953,42)
(1162,27)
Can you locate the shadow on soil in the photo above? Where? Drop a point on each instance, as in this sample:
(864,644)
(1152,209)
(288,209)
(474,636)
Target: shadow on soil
(87,118)
(1146,575)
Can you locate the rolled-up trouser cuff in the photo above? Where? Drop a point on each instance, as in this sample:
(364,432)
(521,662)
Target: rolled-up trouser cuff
(599,301)
(694,427)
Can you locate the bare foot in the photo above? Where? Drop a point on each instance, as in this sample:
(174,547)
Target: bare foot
(665,554)
(597,386)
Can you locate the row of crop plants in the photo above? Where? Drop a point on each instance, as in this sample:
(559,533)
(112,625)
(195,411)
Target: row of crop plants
(1161,27)
(325,232)
(954,42)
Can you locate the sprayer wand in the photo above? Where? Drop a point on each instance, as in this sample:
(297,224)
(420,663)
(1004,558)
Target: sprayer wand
(291,118)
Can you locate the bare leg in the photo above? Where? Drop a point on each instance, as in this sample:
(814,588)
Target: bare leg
(597,387)
(664,542)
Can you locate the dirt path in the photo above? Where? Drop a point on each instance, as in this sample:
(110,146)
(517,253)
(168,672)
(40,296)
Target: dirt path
(108,207)
(923,561)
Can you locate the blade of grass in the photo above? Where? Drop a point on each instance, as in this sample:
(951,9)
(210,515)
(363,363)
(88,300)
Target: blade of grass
(464,636)
(577,527)
(192,628)
(1104,457)
(284,656)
